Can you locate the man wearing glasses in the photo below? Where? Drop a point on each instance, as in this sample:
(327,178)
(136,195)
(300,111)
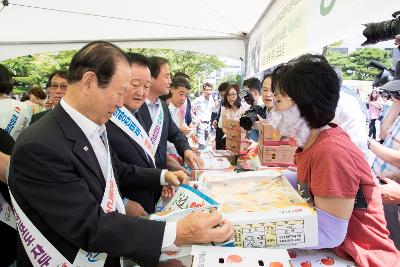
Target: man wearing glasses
(57,87)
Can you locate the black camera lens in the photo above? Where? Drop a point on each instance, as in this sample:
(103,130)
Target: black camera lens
(247,121)
(382,31)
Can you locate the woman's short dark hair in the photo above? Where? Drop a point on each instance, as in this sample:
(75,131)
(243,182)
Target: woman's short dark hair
(312,84)
(6,81)
(98,56)
(238,101)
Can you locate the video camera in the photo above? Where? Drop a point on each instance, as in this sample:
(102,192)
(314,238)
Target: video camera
(382,31)
(249,117)
(386,74)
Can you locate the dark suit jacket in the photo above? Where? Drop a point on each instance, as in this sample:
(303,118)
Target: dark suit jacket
(37,116)
(130,152)
(188,112)
(8,234)
(59,186)
(170,132)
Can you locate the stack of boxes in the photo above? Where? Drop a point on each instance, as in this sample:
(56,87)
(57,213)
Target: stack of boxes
(273,150)
(235,137)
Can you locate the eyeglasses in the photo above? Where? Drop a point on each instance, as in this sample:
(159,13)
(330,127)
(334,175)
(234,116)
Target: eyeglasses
(230,95)
(62,86)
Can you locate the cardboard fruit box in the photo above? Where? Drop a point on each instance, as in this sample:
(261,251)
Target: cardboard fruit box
(266,210)
(212,163)
(277,153)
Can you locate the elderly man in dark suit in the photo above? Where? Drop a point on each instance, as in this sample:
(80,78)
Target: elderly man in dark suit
(128,147)
(65,180)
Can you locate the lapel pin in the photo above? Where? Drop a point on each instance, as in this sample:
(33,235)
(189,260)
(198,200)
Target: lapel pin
(85,148)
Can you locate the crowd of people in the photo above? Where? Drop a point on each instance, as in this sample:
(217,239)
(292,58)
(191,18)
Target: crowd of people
(121,132)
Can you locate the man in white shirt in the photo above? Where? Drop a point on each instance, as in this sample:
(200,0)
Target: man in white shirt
(180,89)
(202,107)
(65,179)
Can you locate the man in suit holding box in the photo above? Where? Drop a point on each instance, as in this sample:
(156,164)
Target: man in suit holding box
(64,179)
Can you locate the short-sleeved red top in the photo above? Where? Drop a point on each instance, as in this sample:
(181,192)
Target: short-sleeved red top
(334,167)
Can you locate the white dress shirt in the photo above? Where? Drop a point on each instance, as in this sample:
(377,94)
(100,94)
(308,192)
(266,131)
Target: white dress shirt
(93,132)
(153,107)
(203,108)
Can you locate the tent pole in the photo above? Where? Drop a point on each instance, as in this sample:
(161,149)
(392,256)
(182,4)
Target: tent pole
(246,56)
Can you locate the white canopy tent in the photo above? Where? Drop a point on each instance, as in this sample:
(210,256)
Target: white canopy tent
(207,26)
(236,29)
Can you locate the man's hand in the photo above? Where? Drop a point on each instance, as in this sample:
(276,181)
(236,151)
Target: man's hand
(171,263)
(397,40)
(167,191)
(194,139)
(390,192)
(185,130)
(134,209)
(202,227)
(253,146)
(191,159)
(176,178)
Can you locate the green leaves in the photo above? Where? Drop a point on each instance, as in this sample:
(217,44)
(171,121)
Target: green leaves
(35,69)
(354,65)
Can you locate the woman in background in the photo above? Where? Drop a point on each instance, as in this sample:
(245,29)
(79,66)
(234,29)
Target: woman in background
(37,96)
(233,107)
(374,108)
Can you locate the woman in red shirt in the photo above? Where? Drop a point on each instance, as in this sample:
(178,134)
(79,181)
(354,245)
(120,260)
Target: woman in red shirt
(332,172)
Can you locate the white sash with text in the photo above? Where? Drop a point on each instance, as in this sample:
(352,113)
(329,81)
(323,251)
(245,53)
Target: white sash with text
(125,120)
(42,253)
(6,214)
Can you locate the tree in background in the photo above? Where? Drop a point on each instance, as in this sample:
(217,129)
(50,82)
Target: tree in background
(232,78)
(35,69)
(354,66)
(196,65)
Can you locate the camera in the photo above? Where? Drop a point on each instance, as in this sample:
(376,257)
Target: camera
(249,117)
(382,31)
(386,74)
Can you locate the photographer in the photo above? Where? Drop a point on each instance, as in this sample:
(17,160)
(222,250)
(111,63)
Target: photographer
(387,163)
(394,111)
(233,108)
(253,86)
(256,112)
